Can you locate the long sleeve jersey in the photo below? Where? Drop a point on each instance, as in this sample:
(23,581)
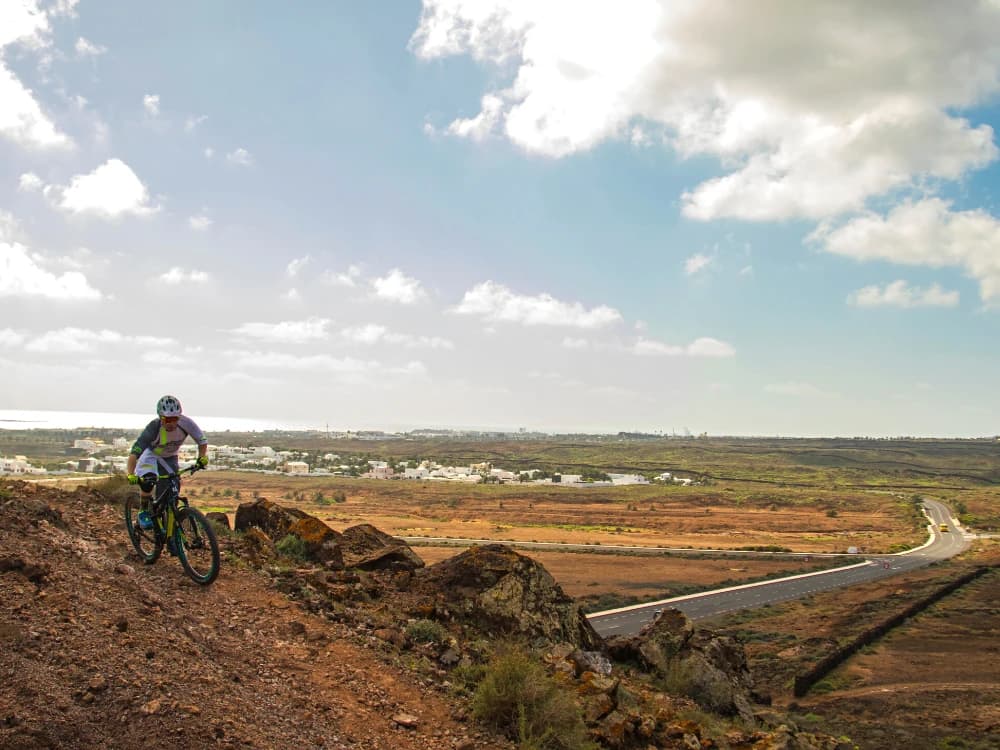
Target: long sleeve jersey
(165,441)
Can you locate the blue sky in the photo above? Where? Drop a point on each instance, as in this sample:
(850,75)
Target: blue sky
(704,216)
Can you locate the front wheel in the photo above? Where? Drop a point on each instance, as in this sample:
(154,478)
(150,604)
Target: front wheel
(197,546)
(145,541)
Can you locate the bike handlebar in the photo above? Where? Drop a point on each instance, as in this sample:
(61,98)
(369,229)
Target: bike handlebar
(186,470)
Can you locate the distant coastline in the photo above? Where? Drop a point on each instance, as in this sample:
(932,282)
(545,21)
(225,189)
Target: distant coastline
(26,419)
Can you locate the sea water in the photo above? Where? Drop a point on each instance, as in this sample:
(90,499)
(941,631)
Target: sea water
(26,419)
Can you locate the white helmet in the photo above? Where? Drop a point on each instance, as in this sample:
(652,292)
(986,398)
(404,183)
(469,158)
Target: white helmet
(168,406)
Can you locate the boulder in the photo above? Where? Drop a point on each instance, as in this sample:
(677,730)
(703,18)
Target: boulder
(367,548)
(258,546)
(706,667)
(221,520)
(500,592)
(269,517)
(322,543)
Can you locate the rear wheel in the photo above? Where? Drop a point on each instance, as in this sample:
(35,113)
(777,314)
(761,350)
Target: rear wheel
(197,546)
(144,540)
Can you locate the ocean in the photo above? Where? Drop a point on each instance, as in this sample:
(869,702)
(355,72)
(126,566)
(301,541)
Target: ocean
(26,419)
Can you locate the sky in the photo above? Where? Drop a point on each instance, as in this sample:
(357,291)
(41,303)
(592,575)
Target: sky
(768,218)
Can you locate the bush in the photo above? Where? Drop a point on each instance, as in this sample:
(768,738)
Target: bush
(336,497)
(518,698)
(293,547)
(465,678)
(426,631)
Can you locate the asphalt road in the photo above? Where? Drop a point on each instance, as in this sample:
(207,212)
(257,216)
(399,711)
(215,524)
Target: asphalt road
(629,620)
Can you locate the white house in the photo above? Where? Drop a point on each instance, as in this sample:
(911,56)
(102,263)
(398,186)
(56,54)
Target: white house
(296,467)
(18,465)
(419,473)
(620,479)
(87,444)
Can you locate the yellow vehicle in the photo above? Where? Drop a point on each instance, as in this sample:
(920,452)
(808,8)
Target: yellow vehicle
(944,527)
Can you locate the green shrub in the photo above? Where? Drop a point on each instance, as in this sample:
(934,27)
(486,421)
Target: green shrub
(518,698)
(426,631)
(465,678)
(293,547)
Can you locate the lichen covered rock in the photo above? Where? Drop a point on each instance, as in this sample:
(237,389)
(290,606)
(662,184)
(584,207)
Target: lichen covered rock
(367,548)
(321,542)
(271,518)
(500,592)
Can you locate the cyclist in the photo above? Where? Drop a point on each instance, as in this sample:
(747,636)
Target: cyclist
(156,448)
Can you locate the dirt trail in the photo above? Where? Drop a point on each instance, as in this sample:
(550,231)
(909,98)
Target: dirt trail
(98,650)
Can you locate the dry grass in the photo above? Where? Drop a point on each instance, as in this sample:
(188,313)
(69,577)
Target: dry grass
(720,517)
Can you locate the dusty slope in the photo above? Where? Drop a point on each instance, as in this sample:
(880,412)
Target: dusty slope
(97,650)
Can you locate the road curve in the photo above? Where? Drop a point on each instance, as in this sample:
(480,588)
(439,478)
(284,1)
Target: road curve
(940,545)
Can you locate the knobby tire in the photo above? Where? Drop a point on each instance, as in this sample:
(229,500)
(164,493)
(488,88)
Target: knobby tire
(197,547)
(146,543)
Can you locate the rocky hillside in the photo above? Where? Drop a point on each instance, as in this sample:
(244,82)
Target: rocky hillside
(311,638)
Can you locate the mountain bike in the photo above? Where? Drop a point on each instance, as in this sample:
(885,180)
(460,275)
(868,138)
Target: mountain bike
(183,530)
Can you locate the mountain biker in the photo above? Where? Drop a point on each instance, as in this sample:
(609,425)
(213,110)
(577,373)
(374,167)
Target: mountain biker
(156,448)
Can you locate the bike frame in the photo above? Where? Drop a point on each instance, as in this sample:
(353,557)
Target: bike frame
(170,496)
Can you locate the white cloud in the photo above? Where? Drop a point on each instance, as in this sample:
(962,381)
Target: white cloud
(72,340)
(373,333)
(199,223)
(86,48)
(21,117)
(925,233)
(797,389)
(21,276)
(151,103)
(495,302)
(177,275)
(696,263)
(292,295)
(110,191)
(10,338)
(700,347)
(295,265)
(241,157)
(347,278)
(288,331)
(398,287)
(30,183)
(63,8)
(900,294)
(482,125)
(349,368)
(209,152)
(575,343)
(811,108)
(22,22)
